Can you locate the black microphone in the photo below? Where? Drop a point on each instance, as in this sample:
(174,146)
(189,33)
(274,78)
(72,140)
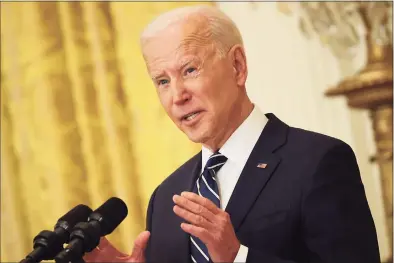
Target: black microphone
(85,236)
(47,244)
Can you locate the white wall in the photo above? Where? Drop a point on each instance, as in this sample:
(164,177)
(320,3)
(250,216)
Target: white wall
(288,75)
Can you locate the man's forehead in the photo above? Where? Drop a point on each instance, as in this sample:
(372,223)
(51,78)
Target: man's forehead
(183,35)
(175,47)
(180,53)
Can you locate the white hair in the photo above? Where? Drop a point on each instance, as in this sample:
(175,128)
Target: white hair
(218,27)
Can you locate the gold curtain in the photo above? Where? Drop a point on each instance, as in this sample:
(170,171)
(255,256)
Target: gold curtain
(81,121)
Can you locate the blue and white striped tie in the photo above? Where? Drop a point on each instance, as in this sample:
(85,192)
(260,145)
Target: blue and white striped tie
(207,187)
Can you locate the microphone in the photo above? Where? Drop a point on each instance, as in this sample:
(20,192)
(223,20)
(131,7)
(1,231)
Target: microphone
(85,236)
(48,244)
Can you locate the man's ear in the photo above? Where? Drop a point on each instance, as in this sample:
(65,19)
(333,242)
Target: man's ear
(237,55)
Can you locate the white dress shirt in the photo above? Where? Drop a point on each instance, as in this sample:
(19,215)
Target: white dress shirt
(237,150)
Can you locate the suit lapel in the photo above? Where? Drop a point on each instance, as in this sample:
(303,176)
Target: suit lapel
(187,184)
(253,179)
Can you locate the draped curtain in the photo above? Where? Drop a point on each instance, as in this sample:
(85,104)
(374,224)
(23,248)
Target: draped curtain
(80,119)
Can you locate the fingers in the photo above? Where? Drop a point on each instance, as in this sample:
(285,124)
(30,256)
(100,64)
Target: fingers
(92,256)
(192,212)
(142,240)
(140,243)
(197,231)
(104,252)
(202,201)
(103,243)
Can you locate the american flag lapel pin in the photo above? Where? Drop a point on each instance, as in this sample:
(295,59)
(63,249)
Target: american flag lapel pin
(261,165)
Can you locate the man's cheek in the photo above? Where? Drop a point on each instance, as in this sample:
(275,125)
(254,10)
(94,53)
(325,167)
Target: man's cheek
(165,102)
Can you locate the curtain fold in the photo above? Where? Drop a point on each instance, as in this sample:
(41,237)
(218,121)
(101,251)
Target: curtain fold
(81,121)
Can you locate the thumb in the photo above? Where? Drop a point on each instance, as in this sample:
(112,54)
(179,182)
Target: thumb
(140,243)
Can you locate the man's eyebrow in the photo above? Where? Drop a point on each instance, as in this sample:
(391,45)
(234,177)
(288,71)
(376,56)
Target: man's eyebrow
(187,61)
(184,64)
(155,76)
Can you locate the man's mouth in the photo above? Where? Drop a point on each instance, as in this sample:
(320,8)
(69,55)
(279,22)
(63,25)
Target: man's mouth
(191,116)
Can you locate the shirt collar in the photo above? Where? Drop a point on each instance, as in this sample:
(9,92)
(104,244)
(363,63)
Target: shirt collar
(241,143)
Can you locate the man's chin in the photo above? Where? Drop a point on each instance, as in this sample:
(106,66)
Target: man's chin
(195,136)
(195,139)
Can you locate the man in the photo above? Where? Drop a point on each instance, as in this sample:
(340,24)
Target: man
(259,191)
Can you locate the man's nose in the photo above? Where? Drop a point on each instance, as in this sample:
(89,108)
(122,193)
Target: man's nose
(180,94)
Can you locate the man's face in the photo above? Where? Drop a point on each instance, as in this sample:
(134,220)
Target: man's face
(196,87)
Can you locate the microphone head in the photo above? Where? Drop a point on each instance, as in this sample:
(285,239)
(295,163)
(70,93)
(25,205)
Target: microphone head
(110,215)
(80,213)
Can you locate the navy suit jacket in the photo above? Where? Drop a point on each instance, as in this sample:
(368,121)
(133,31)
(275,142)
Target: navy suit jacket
(307,205)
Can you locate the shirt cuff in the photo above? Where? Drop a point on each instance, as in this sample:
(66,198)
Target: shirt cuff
(242,254)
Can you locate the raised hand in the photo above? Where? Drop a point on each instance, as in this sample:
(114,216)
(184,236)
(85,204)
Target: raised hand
(210,224)
(106,252)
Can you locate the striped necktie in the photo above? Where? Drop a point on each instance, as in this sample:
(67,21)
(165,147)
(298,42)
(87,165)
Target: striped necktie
(207,187)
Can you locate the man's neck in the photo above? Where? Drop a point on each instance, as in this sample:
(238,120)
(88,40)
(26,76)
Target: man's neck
(233,125)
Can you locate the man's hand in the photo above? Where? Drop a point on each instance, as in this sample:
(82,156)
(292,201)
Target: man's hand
(210,224)
(107,253)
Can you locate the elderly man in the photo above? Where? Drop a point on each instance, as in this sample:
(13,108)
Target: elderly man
(259,191)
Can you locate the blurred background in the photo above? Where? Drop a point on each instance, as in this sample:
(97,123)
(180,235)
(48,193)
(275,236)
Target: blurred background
(80,120)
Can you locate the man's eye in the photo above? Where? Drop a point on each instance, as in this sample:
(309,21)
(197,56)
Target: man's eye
(190,70)
(162,82)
